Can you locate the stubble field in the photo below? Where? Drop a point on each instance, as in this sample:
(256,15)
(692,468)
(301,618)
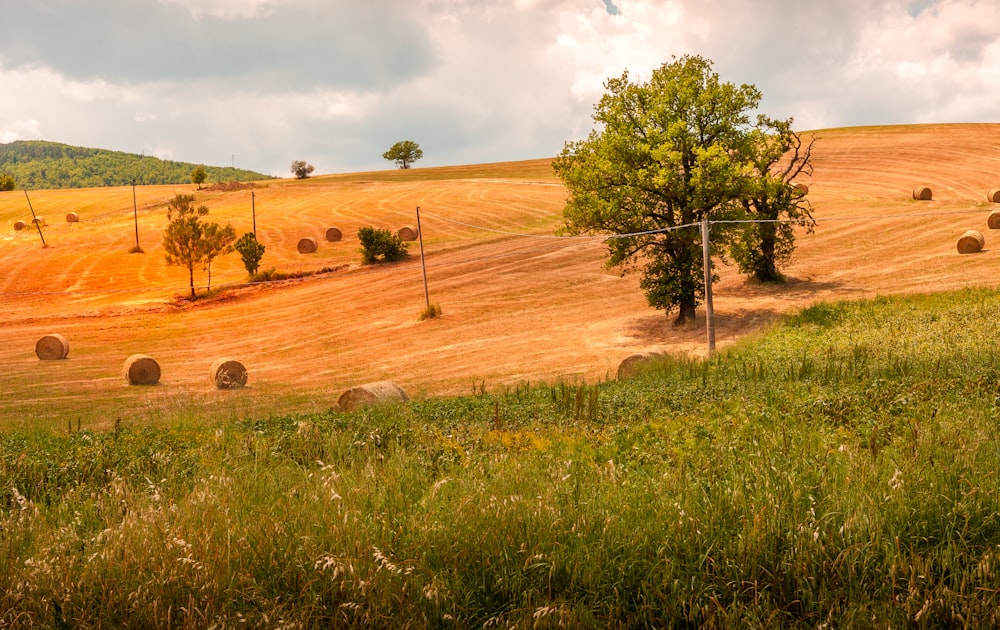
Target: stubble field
(518,304)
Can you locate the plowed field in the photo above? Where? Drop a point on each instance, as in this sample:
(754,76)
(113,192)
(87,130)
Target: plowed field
(518,305)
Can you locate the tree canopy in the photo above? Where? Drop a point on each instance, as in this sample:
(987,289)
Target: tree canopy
(666,155)
(302,169)
(404,153)
(199,175)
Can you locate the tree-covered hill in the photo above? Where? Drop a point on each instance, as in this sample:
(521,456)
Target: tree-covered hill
(36,164)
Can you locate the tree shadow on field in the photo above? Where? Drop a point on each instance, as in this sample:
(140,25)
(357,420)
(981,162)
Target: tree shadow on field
(739,310)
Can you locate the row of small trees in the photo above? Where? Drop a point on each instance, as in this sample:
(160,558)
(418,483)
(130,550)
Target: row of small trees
(677,150)
(191,242)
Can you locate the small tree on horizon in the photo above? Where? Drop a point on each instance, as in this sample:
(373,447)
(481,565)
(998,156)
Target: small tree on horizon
(7,181)
(302,169)
(198,176)
(404,153)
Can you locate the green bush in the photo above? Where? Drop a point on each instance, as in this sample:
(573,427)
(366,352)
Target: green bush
(251,251)
(377,244)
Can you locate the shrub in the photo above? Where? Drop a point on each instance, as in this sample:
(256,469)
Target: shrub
(379,244)
(251,251)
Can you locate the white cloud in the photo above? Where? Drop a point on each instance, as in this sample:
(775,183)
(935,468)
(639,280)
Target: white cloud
(336,82)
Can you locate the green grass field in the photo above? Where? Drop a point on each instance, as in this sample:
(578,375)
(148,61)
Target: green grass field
(840,470)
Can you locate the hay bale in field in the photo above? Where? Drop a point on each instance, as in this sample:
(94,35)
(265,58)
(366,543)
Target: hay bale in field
(72,217)
(141,369)
(370,394)
(972,242)
(227,374)
(334,234)
(802,188)
(634,365)
(922,193)
(19,225)
(52,347)
(39,220)
(407,233)
(307,245)
(994,195)
(993,221)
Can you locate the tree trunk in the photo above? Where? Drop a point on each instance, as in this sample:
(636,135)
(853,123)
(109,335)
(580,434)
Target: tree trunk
(685,316)
(767,270)
(191,280)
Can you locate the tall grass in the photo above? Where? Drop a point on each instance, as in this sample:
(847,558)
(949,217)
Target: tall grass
(839,471)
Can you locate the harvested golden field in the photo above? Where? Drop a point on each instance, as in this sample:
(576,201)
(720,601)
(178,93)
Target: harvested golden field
(517,304)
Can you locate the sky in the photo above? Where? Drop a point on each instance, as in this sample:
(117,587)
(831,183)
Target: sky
(257,84)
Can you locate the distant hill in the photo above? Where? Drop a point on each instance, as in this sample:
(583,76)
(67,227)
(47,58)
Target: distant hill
(37,164)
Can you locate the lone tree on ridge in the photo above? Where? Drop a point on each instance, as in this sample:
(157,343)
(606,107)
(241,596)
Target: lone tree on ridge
(404,153)
(301,169)
(198,176)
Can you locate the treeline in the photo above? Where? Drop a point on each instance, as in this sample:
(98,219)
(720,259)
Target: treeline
(37,164)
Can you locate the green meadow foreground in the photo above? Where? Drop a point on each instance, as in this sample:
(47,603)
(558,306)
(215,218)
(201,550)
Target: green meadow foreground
(840,470)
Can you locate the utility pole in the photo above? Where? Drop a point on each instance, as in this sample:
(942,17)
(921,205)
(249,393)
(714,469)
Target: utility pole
(34,219)
(423,265)
(709,311)
(135,216)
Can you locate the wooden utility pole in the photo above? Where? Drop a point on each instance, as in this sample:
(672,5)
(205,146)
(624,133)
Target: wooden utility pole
(34,219)
(423,265)
(709,312)
(135,215)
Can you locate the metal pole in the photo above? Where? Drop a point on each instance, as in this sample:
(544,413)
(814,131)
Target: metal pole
(253,209)
(423,266)
(709,311)
(135,215)
(34,219)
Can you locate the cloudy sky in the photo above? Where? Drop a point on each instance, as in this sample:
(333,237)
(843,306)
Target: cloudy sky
(259,83)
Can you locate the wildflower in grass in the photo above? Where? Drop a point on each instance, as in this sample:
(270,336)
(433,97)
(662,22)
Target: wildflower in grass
(384,562)
(896,482)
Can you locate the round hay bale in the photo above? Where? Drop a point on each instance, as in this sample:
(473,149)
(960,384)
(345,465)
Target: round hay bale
(307,245)
(52,348)
(993,221)
(141,369)
(72,217)
(39,220)
(633,364)
(228,374)
(802,188)
(334,234)
(19,225)
(407,233)
(370,394)
(994,195)
(972,242)
(922,193)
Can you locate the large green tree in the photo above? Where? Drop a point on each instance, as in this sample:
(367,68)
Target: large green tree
(404,153)
(189,241)
(773,202)
(666,155)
